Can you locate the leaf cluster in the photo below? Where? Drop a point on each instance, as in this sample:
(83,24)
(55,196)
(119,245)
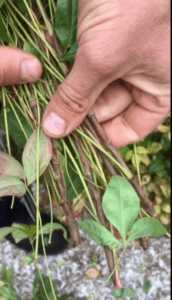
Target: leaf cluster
(151,161)
(41,287)
(121,207)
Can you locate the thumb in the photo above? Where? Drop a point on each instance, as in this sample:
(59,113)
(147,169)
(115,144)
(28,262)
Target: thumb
(74,98)
(18,66)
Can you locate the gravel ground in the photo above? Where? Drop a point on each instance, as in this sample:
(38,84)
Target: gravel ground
(70,278)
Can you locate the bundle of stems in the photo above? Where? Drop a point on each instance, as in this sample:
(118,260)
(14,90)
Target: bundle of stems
(87,151)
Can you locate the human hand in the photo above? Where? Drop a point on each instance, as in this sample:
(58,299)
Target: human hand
(128,40)
(17,66)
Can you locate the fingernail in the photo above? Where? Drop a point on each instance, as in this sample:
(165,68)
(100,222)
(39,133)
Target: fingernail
(54,124)
(31,70)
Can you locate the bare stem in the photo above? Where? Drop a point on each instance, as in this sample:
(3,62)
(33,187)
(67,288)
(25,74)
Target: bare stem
(73,227)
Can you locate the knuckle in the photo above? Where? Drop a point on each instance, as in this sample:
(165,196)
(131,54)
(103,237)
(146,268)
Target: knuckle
(70,100)
(98,59)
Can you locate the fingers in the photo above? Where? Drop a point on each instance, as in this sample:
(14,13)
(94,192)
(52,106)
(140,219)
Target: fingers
(17,66)
(112,102)
(139,120)
(73,98)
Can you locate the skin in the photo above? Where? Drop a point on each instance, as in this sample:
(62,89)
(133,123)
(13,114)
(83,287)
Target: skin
(121,71)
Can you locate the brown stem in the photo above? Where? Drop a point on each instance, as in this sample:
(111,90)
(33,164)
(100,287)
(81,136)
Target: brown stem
(73,227)
(97,201)
(144,242)
(145,200)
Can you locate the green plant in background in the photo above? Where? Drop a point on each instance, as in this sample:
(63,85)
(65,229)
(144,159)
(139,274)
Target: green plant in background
(153,164)
(7,291)
(147,286)
(40,285)
(125,292)
(131,293)
(39,291)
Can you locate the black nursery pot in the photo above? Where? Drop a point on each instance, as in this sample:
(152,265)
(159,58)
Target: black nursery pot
(19,214)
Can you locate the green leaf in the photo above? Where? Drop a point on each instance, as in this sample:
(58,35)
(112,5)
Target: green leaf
(73,181)
(21,5)
(35,283)
(123,151)
(123,293)
(66,22)
(76,183)
(144,158)
(2,2)
(30,49)
(154,147)
(65,297)
(157,165)
(128,292)
(3,31)
(129,155)
(146,227)
(165,142)
(19,235)
(40,293)
(30,230)
(5,231)
(147,286)
(99,234)
(11,186)
(29,259)
(142,150)
(60,264)
(163,128)
(29,157)
(70,56)
(118,294)
(10,166)
(146,179)
(166,190)
(9,276)
(14,128)
(121,204)
(6,285)
(47,228)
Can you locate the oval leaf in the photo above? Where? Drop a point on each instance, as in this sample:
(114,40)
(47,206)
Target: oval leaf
(29,230)
(14,128)
(29,157)
(47,229)
(99,234)
(11,186)
(10,166)
(146,227)
(142,150)
(121,204)
(19,235)
(66,22)
(5,231)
